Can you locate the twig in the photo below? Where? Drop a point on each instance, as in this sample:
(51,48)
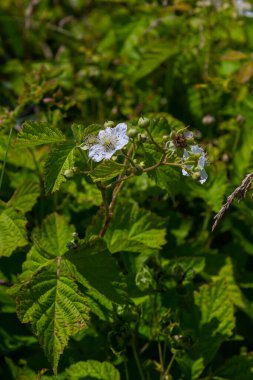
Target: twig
(239,193)
(109,210)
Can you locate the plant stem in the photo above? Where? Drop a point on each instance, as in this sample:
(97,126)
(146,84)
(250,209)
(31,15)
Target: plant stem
(126,369)
(137,360)
(166,373)
(5,157)
(161,359)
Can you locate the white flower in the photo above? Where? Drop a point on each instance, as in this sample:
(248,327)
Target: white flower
(243,8)
(108,142)
(195,149)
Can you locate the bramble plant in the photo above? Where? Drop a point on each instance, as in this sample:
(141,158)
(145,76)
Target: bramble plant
(47,295)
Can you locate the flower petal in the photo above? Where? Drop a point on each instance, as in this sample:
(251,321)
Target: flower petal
(203,176)
(196,149)
(104,134)
(202,161)
(184,172)
(97,153)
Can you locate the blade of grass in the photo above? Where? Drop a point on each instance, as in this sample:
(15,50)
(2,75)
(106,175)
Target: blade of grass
(5,157)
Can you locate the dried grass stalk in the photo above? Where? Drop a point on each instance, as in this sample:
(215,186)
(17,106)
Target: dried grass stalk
(239,193)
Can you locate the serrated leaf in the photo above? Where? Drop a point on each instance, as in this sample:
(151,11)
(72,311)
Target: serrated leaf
(213,321)
(25,196)
(106,171)
(53,305)
(233,291)
(214,303)
(37,133)
(50,241)
(96,266)
(92,369)
(59,159)
(135,230)
(81,131)
(12,231)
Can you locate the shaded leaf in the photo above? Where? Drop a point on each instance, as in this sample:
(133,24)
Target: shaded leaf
(106,171)
(12,231)
(97,269)
(37,133)
(25,196)
(60,158)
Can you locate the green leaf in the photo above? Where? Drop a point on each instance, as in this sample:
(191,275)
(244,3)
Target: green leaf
(234,292)
(152,59)
(53,305)
(50,241)
(60,158)
(92,369)
(25,196)
(80,131)
(106,171)
(213,322)
(12,231)
(237,368)
(37,133)
(97,268)
(135,230)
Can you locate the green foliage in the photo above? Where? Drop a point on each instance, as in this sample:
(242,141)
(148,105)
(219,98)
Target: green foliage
(51,302)
(92,369)
(12,231)
(59,160)
(35,133)
(135,230)
(106,171)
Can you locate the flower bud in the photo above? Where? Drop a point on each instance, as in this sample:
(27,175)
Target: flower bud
(166,137)
(138,170)
(109,124)
(132,132)
(143,122)
(208,120)
(69,173)
(142,137)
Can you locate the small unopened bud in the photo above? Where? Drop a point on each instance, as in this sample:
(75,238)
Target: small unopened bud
(75,169)
(142,137)
(69,173)
(143,122)
(132,132)
(48,100)
(196,175)
(138,170)
(208,120)
(240,119)
(109,124)
(166,137)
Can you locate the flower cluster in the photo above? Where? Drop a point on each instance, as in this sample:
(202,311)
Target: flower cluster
(106,143)
(196,154)
(193,157)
